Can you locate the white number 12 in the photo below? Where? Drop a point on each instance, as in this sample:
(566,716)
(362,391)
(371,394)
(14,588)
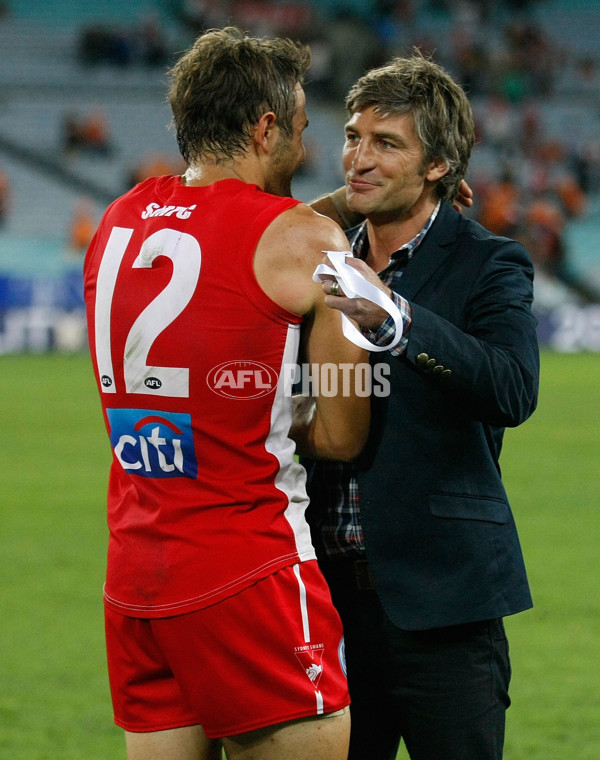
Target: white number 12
(184,252)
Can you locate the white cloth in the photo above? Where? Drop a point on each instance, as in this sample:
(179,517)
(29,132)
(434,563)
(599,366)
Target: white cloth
(354,285)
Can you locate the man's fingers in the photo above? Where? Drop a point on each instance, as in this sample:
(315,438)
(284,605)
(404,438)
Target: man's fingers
(333,288)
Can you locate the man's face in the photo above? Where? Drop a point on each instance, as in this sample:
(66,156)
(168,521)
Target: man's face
(384,166)
(289,153)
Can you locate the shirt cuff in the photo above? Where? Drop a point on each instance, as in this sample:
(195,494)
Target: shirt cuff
(387,332)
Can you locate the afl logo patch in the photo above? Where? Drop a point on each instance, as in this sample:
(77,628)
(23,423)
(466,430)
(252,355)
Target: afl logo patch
(242,379)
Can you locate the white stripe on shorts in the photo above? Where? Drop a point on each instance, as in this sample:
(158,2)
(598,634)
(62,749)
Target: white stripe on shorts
(319,697)
(303,605)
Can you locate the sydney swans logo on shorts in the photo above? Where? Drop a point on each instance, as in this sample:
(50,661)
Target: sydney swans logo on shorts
(153,444)
(311,659)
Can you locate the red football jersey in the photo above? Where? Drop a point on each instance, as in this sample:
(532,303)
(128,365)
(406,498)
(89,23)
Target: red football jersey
(204,495)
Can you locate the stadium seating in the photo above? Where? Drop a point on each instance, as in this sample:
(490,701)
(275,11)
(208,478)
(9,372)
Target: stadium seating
(43,80)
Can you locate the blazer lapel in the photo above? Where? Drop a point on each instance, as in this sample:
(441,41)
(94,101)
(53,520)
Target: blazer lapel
(432,253)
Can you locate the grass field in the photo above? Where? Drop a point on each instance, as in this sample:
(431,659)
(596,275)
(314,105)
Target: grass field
(54,702)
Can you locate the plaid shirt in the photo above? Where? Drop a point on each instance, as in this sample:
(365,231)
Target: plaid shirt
(334,488)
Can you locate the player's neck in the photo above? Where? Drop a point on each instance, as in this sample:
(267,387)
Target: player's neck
(208,173)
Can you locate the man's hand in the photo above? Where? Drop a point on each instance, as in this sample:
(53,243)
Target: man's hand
(464,197)
(365,313)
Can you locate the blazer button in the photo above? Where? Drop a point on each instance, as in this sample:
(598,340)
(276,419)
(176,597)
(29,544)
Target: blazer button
(438,369)
(446,373)
(423,358)
(431,363)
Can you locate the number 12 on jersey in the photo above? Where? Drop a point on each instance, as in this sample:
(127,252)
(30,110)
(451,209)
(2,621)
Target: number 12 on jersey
(184,251)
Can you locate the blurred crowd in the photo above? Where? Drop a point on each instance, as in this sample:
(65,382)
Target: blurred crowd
(534,187)
(105,43)
(87,132)
(533,181)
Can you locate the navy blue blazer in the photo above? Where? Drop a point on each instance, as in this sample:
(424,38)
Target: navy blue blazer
(440,536)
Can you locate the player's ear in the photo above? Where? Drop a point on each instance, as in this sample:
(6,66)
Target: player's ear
(266,131)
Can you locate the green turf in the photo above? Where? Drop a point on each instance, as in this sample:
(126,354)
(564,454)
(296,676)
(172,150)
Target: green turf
(552,470)
(54,702)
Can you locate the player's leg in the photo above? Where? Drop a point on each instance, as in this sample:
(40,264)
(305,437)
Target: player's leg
(319,738)
(148,703)
(188,743)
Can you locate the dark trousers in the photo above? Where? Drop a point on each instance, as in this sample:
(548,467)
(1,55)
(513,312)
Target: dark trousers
(443,691)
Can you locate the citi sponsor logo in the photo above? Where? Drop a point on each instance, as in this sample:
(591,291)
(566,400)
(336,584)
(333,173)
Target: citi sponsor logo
(153,444)
(242,379)
(154,209)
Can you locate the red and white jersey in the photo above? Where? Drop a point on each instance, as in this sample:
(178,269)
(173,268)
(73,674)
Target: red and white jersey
(204,495)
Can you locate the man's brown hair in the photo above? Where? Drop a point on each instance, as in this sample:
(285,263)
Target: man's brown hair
(440,109)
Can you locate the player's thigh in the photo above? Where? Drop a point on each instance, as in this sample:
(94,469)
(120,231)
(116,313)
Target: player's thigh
(269,655)
(324,737)
(187,743)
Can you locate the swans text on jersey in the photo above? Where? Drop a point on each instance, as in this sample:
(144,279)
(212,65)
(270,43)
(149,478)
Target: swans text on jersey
(154,209)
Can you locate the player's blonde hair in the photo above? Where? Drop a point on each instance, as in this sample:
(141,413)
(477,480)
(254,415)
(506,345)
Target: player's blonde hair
(222,86)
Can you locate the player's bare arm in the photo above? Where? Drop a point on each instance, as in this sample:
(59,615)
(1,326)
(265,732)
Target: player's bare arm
(287,255)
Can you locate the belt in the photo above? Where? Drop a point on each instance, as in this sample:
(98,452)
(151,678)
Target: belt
(363,577)
(348,572)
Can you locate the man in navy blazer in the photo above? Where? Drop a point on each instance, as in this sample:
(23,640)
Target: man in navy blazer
(417,539)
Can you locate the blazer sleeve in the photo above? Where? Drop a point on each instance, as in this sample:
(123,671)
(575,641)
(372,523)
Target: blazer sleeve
(478,344)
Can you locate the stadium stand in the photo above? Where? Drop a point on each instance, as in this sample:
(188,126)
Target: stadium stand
(539,117)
